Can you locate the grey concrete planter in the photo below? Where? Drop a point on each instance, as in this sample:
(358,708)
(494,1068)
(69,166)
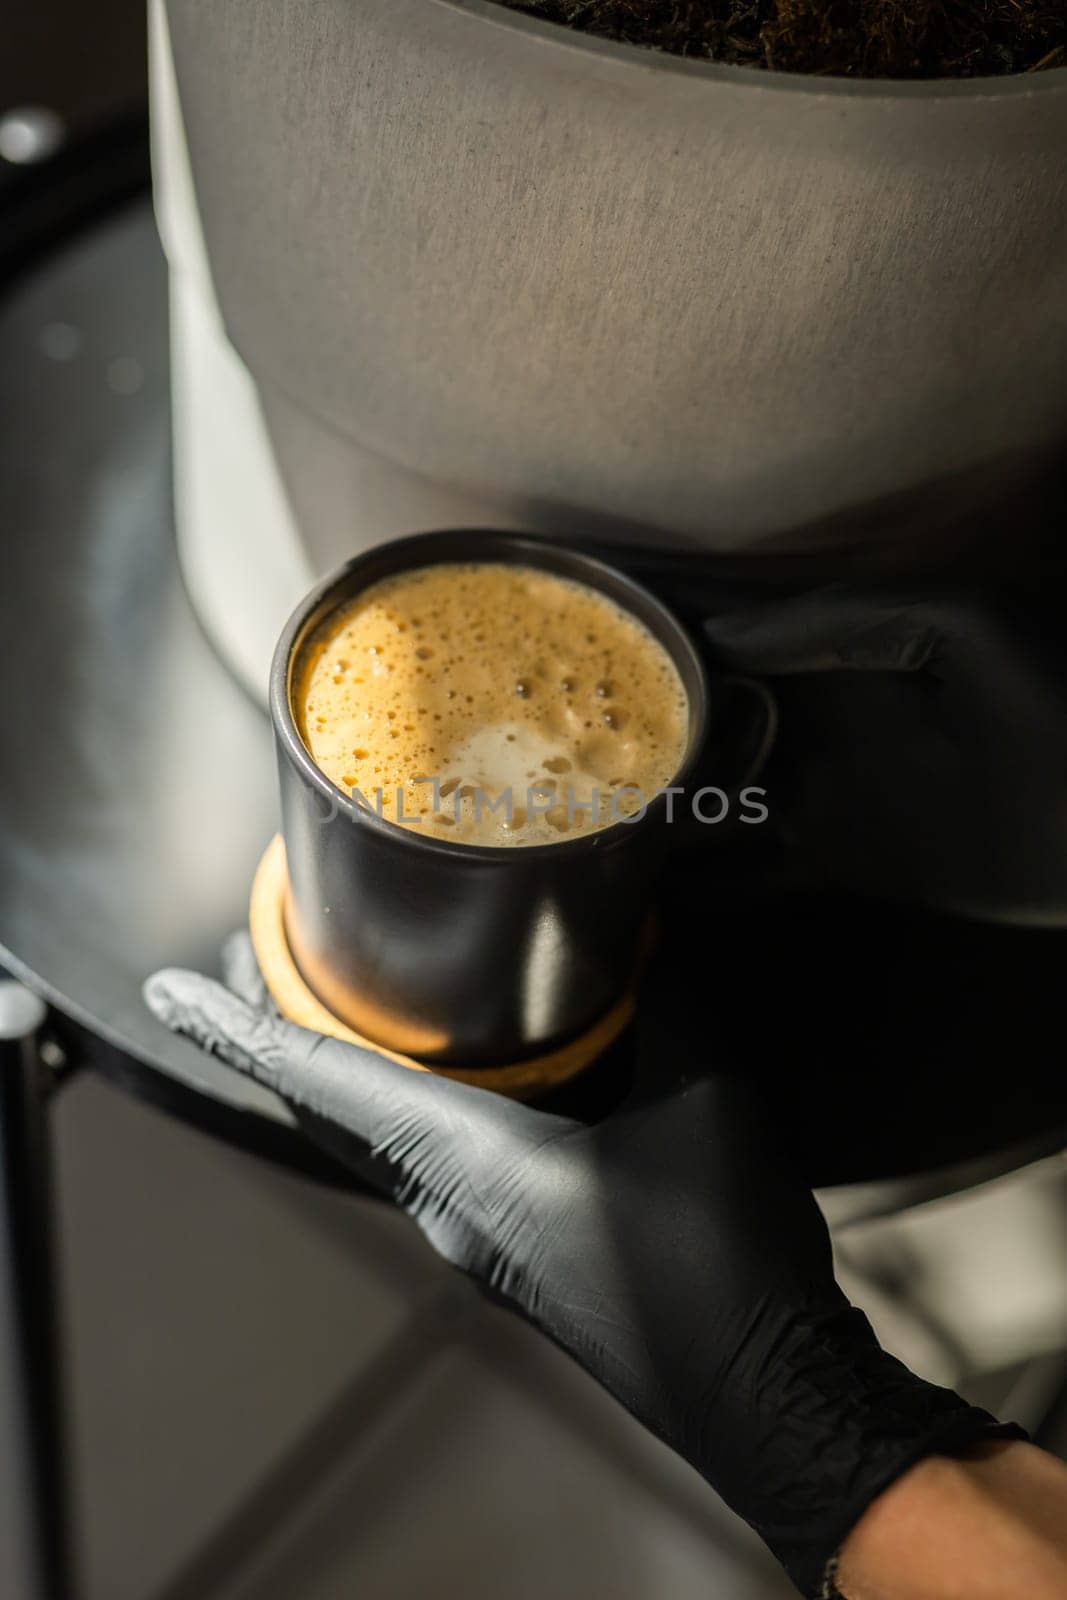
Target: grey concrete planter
(564,280)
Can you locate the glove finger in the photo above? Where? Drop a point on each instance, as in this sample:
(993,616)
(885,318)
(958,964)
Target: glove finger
(362,1090)
(453,1156)
(241,974)
(226,1025)
(413,1118)
(829,630)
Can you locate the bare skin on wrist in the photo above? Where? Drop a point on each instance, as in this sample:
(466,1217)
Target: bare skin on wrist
(988,1525)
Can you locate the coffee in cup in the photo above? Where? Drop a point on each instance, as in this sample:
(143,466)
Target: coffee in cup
(490,703)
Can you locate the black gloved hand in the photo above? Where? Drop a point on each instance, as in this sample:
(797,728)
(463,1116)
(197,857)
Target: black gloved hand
(922,740)
(923,743)
(670,1250)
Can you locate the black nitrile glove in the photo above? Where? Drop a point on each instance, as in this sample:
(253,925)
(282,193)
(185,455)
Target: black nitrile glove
(923,743)
(922,738)
(669,1249)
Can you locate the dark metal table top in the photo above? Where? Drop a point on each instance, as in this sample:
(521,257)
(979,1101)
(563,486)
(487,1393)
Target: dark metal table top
(138,792)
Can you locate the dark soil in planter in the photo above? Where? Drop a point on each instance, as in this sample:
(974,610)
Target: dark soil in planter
(844,38)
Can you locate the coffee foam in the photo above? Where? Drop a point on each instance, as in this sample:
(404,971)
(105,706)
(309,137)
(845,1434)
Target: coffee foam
(494,680)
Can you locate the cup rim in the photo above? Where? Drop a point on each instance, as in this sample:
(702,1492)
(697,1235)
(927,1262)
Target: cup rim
(518,549)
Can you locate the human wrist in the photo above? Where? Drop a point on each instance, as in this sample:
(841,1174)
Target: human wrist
(847,1420)
(987,1524)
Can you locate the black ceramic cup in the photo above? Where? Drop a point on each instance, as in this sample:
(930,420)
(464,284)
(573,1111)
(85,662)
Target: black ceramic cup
(455,953)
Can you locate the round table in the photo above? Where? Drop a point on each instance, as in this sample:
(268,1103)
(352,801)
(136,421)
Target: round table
(907,1054)
(904,1055)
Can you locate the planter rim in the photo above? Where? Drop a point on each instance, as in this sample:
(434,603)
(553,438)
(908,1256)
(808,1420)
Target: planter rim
(643,59)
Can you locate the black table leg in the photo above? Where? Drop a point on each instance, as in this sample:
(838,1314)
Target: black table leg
(34,1538)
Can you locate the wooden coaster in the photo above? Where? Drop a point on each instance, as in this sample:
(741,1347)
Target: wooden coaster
(295,1000)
